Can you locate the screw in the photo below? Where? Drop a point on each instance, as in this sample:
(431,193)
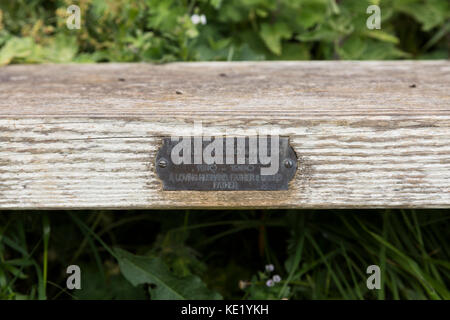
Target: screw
(162,163)
(288,163)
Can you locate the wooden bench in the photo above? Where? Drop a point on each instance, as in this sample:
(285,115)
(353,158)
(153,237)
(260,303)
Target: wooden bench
(366,134)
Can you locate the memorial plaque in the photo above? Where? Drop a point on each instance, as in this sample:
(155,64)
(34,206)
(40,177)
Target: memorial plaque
(226,164)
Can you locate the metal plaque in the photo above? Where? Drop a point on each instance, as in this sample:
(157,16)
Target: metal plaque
(226,164)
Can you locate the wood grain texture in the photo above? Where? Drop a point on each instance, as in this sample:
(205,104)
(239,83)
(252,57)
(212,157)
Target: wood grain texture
(367,134)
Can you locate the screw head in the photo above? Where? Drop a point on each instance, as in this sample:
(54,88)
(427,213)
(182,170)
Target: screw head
(288,163)
(162,163)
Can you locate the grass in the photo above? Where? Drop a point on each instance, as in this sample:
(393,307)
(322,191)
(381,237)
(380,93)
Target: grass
(320,254)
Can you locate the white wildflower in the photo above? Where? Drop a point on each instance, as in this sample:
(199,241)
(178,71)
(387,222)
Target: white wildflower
(270,283)
(270,268)
(197,19)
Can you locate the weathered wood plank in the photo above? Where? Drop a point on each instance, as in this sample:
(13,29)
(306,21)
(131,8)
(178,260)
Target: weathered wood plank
(367,134)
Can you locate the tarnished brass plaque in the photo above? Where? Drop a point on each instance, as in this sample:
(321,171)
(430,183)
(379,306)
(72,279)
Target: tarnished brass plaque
(264,163)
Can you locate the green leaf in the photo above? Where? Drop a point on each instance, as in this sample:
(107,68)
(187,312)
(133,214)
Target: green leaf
(330,31)
(429,13)
(382,36)
(295,51)
(353,48)
(311,13)
(114,287)
(380,51)
(17,48)
(216,3)
(62,49)
(148,270)
(273,34)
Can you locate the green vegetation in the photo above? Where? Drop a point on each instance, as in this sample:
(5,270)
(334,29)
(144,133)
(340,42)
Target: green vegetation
(213,254)
(33,31)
